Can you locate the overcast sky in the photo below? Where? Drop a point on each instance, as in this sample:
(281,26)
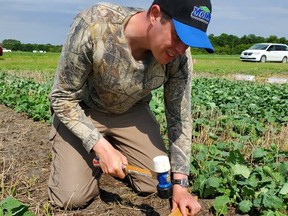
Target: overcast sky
(47,21)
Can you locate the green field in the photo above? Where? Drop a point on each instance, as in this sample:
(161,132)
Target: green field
(224,65)
(25,63)
(240,129)
(41,66)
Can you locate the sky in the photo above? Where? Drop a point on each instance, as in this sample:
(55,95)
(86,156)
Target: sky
(48,21)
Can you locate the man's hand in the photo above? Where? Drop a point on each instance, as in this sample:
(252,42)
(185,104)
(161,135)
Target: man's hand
(110,159)
(183,199)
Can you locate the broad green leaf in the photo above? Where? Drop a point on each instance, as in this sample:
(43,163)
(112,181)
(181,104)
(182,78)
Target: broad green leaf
(14,207)
(193,170)
(10,203)
(247,191)
(236,157)
(199,184)
(245,206)
(257,201)
(271,201)
(213,182)
(243,170)
(258,153)
(284,189)
(211,105)
(202,152)
(208,191)
(211,186)
(220,204)
(253,181)
(211,166)
(268,213)
(278,177)
(284,168)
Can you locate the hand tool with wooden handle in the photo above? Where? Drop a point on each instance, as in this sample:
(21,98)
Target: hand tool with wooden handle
(164,187)
(128,169)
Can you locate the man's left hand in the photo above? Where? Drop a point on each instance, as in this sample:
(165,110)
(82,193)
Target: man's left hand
(183,199)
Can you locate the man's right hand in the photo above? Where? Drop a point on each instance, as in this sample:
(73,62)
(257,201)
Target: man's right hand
(110,159)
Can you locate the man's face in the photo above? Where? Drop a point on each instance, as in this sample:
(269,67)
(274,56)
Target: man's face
(164,41)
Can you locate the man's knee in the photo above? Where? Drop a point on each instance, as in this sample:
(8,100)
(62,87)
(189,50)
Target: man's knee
(72,199)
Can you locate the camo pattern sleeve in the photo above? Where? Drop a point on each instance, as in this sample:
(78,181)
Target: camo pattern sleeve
(73,69)
(177,91)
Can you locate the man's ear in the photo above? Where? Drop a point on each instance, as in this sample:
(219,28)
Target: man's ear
(155,13)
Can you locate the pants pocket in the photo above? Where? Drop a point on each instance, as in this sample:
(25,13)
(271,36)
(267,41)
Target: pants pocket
(54,127)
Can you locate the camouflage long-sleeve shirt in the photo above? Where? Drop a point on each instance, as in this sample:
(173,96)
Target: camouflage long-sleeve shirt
(96,67)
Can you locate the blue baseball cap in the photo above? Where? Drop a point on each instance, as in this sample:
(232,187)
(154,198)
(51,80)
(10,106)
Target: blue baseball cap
(191,19)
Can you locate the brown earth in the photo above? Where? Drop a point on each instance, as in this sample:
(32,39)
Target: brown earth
(25,166)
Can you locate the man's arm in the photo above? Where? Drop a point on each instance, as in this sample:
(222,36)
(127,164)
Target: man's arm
(74,66)
(177,91)
(179,123)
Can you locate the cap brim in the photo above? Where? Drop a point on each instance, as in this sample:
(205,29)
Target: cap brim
(192,36)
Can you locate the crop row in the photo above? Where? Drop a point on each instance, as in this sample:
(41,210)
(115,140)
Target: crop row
(241,110)
(264,103)
(25,95)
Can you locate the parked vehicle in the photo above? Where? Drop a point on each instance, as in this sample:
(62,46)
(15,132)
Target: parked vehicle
(263,52)
(6,50)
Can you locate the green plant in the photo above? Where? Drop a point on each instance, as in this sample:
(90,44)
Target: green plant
(25,95)
(253,185)
(10,206)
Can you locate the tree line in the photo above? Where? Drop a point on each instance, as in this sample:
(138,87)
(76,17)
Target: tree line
(224,44)
(232,45)
(16,45)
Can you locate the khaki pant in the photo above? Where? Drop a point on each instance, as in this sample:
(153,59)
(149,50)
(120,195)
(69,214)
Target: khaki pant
(73,181)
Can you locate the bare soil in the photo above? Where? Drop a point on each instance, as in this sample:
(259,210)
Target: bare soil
(25,166)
